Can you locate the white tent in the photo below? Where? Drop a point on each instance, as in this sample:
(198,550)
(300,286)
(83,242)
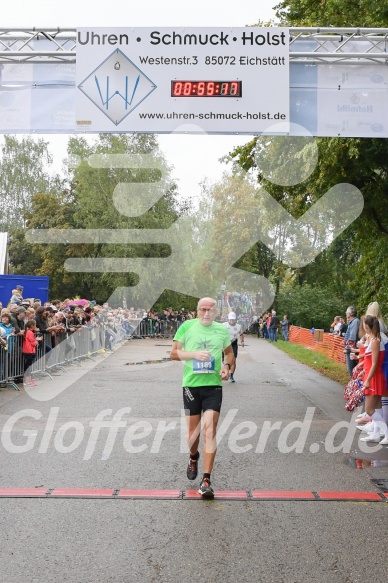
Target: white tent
(3,253)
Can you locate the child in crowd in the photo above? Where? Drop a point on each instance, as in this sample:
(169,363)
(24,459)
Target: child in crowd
(374,382)
(17,297)
(29,350)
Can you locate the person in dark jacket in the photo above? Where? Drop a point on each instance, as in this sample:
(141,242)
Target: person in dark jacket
(41,318)
(17,321)
(351,337)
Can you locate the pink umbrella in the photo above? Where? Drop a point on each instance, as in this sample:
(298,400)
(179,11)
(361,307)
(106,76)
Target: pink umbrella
(78,303)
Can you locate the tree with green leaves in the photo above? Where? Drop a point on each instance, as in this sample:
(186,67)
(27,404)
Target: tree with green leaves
(105,197)
(338,13)
(24,171)
(98,196)
(361,162)
(309,306)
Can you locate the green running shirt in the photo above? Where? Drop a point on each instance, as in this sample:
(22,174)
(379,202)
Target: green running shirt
(214,338)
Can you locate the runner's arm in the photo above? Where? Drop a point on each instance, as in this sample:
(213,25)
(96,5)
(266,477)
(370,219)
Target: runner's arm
(228,362)
(177,353)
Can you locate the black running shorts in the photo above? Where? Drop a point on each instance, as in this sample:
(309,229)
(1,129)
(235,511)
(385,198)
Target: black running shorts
(199,399)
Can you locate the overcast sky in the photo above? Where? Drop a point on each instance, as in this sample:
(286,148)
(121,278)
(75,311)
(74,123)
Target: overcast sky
(193,157)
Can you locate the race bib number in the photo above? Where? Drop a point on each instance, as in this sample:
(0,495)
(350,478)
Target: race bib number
(203,366)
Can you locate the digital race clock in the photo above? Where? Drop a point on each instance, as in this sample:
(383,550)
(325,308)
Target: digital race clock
(206,88)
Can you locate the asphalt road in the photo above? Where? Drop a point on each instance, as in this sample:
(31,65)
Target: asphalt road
(284,428)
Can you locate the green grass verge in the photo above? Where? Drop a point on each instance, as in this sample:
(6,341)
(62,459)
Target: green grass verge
(334,370)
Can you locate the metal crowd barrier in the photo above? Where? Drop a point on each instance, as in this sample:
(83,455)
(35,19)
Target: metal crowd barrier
(154,328)
(54,353)
(14,361)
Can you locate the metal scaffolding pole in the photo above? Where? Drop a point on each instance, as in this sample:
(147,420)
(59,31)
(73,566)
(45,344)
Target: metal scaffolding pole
(323,45)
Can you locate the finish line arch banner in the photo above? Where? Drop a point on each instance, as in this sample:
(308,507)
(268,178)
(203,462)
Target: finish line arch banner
(359,106)
(222,80)
(339,99)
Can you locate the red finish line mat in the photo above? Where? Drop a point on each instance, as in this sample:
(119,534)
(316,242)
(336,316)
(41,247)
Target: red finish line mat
(282,495)
(152,494)
(23,492)
(218,495)
(155,494)
(80,493)
(369,496)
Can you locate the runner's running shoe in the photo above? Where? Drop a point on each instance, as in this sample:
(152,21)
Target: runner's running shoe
(192,468)
(205,489)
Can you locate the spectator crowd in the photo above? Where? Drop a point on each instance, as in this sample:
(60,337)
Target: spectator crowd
(29,329)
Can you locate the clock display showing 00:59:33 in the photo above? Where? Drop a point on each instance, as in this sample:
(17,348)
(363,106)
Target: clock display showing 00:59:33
(206,88)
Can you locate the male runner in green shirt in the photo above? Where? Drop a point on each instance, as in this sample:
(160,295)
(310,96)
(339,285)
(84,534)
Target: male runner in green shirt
(200,343)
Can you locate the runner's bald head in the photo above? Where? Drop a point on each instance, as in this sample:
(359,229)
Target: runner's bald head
(206,301)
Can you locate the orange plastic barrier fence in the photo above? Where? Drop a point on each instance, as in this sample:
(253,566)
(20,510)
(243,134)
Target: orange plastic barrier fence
(332,345)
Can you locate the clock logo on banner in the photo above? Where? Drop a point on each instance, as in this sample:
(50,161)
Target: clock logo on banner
(117,86)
